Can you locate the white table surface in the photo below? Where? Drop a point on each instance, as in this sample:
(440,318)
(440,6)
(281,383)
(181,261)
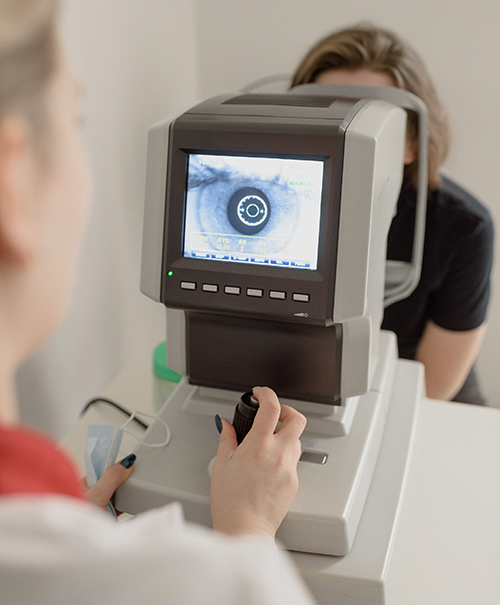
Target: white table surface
(447,550)
(448,545)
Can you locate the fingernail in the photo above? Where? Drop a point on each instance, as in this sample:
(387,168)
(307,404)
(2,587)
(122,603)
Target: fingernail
(218,423)
(128,461)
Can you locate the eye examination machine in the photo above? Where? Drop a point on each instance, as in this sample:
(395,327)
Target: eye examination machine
(265,230)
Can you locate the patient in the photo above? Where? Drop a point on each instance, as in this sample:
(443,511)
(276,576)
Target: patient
(442,323)
(56,547)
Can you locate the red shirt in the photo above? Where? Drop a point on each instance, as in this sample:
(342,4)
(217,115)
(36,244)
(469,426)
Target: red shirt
(31,463)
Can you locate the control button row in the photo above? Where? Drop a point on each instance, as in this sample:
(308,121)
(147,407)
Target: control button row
(254,292)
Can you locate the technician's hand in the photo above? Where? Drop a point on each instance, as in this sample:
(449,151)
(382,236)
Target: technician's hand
(254,484)
(102,492)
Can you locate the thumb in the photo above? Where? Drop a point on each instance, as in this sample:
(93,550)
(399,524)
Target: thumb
(227,443)
(100,493)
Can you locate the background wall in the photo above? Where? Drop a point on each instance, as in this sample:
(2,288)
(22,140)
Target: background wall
(142,60)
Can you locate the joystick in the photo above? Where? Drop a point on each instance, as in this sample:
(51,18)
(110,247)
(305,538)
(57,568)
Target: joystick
(244,415)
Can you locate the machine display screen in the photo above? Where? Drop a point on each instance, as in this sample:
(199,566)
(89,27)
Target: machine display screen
(253,210)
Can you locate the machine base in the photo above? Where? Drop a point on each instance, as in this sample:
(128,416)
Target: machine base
(327,509)
(367,574)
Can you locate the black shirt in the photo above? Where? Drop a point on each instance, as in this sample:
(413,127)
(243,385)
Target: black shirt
(454,286)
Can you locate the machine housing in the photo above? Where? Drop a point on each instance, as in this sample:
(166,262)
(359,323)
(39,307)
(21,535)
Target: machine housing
(311,333)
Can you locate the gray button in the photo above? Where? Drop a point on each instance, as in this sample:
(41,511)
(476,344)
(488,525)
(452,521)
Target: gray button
(300,297)
(232,290)
(210,288)
(188,285)
(314,457)
(255,292)
(277,294)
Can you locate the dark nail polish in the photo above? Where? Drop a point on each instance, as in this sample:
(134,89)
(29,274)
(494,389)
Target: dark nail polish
(128,461)
(218,423)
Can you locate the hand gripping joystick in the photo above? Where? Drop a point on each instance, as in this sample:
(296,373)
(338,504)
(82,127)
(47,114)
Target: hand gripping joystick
(244,415)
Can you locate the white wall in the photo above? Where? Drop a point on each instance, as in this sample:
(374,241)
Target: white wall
(242,41)
(137,63)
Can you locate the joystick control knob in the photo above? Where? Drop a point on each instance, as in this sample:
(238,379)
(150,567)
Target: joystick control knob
(244,415)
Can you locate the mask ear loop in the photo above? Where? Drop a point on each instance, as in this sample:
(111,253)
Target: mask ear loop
(167,430)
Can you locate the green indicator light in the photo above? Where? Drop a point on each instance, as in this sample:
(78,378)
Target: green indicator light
(170,273)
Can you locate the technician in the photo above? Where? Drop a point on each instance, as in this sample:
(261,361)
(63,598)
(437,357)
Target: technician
(55,546)
(442,323)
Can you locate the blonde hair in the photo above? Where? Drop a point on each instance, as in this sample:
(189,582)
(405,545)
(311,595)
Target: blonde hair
(28,56)
(379,50)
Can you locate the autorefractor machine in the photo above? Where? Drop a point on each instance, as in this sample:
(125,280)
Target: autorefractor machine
(265,230)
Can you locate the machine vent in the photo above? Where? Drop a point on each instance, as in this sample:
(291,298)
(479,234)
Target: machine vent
(277,99)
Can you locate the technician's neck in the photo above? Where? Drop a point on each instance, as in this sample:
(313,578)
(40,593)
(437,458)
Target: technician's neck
(8,403)
(8,407)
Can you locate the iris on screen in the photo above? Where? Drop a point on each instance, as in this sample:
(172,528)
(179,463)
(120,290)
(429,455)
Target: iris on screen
(256,210)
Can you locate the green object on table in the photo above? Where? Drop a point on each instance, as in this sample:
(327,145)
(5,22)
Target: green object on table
(160,367)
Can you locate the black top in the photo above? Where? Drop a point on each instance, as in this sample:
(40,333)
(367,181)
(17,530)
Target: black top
(454,286)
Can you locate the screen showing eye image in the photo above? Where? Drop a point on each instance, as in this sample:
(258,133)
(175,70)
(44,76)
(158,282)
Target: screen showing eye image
(254,210)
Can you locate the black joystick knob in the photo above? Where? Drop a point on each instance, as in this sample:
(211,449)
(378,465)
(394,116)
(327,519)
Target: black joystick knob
(244,415)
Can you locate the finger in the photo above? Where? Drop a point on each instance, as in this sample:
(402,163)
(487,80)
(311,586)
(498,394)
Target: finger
(227,443)
(293,424)
(100,494)
(268,414)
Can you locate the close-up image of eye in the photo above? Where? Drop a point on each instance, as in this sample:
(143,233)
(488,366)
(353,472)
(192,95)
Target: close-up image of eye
(259,210)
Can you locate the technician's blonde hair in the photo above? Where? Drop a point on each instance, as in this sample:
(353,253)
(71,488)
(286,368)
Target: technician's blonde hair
(369,47)
(28,56)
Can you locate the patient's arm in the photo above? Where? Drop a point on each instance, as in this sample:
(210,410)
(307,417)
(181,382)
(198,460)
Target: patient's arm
(448,357)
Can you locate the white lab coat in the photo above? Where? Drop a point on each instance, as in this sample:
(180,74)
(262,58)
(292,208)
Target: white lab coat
(56,550)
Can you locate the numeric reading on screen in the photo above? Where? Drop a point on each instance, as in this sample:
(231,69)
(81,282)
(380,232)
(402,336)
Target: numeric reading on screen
(255,210)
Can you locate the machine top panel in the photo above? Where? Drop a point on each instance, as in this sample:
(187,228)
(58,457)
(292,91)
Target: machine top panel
(278,105)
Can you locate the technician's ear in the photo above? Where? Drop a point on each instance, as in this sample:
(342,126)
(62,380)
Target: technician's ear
(18,216)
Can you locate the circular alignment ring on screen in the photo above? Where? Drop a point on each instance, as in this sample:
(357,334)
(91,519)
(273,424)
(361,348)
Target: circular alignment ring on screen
(252,210)
(248,210)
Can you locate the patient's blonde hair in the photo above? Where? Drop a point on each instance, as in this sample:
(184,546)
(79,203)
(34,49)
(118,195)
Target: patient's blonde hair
(28,57)
(369,47)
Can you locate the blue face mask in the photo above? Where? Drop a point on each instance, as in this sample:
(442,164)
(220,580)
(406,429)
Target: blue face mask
(101,450)
(102,447)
